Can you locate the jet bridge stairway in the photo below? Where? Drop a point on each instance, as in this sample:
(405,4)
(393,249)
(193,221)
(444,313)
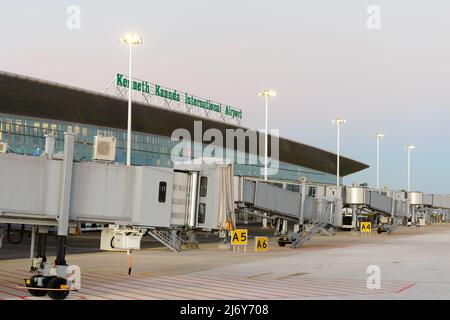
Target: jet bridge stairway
(308,234)
(167,238)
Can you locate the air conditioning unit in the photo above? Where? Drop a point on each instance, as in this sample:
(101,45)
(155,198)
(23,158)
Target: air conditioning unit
(3,147)
(104,148)
(120,239)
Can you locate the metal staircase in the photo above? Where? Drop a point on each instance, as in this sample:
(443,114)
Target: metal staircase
(398,221)
(308,234)
(171,241)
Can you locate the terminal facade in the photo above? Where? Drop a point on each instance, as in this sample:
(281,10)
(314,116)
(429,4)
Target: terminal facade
(31,109)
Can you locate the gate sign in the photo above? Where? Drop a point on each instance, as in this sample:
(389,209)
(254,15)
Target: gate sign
(366,227)
(262,244)
(239,237)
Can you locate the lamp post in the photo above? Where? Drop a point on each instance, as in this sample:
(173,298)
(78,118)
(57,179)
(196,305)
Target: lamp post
(130,39)
(267,94)
(379,136)
(409,148)
(338,121)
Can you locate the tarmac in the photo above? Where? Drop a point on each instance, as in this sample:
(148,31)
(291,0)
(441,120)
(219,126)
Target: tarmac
(412,263)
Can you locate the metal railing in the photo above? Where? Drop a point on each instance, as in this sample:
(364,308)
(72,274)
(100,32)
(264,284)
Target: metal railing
(171,241)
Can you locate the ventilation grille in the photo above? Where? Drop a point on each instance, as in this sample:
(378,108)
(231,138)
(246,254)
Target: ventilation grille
(104,148)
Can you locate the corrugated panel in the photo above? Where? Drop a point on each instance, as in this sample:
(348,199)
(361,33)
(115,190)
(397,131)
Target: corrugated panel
(249,191)
(441,201)
(310,207)
(427,199)
(277,200)
(380,202)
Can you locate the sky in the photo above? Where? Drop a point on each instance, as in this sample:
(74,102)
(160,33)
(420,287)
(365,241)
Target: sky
(319,56)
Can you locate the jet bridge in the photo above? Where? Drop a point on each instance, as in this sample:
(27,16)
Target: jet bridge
(384,208)
(148,197)
(133,200)
(311,214)
(272,201)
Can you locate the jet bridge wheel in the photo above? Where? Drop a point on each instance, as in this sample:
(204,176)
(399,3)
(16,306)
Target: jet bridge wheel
(283,241)
(33,284)
(57,283)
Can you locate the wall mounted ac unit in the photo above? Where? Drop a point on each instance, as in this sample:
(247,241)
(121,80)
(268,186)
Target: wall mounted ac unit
(104,148)
(3,147)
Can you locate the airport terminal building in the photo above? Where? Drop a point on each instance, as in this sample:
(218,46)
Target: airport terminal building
(31,108)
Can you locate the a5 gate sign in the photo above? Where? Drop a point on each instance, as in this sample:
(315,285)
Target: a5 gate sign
(239,237)
(262,244)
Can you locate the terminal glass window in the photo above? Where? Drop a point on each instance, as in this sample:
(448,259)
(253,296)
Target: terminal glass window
(203,186)
(201,213)
(162,191)
(312,191)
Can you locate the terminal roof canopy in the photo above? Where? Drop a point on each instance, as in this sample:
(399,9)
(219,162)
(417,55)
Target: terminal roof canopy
(35,98)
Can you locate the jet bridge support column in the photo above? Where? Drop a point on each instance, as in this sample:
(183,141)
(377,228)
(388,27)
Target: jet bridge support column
(64,206)
(284,228)
(301,219)
(393,206)
(41,253)
(33,239)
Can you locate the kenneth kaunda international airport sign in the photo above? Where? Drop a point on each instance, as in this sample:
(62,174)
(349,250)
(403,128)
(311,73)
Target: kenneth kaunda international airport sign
(174,95)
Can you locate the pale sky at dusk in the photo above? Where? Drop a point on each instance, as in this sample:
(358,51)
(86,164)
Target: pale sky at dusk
(318,55)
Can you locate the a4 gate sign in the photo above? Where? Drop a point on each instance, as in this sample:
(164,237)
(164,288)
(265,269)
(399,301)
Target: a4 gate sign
(366,227)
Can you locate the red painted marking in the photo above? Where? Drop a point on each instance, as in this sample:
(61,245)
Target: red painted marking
(360,283)
(165,280)
(342,288)
(238,286)
(88,293)
(234,294)
(139,283)
(277,287)
(240,283)
(121,285)
(330,289)
(173,283)
(10,294)
(389,286)
(301,282)
(406,288)
(194,281)
(139,287)
(94,287)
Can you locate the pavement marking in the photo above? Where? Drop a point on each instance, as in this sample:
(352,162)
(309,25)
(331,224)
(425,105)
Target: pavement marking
(292,275)
(259,275)
(200,285)
(406,288)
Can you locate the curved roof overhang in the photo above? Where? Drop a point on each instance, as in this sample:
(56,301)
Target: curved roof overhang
(35,98)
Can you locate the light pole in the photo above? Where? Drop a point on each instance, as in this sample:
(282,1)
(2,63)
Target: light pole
(379,136)
(267,94)
(409,148)
(130,39)
(338,121)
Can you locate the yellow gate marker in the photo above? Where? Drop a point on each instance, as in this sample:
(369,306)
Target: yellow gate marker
(366,227)
(261,244)
(239,237)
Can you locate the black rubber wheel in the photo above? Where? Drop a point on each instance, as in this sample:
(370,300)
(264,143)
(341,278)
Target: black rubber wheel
(56,283)
(36,293)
